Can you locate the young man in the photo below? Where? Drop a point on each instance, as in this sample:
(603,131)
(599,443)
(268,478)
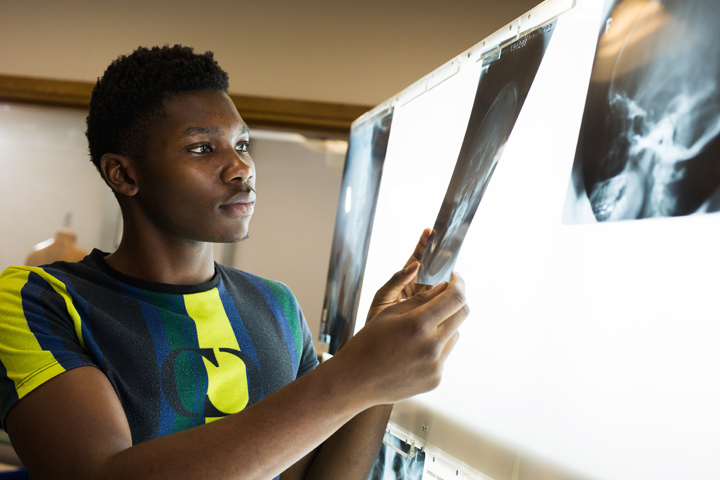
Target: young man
(154,361)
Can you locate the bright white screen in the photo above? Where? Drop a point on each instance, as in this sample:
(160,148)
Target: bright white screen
(424,142)
(590,346)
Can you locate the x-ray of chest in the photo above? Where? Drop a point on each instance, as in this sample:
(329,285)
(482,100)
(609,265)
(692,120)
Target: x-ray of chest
(649,143)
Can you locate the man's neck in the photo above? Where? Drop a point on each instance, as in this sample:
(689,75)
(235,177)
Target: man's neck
(183,264)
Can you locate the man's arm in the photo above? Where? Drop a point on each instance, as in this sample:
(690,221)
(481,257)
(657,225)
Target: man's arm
(74,425)
(350,453)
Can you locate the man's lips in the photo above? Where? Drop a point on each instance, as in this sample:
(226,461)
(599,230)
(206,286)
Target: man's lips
(240,204)
(239,209)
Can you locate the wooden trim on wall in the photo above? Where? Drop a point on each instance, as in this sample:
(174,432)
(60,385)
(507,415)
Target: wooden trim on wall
(319,118)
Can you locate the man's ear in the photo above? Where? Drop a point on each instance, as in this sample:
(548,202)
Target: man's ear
(119,173)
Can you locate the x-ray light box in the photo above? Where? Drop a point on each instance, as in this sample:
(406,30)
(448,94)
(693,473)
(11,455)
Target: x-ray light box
(570,163)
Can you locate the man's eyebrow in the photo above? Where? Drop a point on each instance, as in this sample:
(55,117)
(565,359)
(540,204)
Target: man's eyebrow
(209,130)
(193,131)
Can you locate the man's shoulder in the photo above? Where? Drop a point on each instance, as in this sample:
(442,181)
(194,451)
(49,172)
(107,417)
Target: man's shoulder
(69,279)
(48,273)
(234,276)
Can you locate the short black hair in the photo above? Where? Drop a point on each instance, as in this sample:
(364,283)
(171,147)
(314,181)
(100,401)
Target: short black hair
(131,93)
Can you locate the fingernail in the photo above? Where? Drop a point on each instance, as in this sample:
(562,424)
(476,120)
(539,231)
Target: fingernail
(412,267)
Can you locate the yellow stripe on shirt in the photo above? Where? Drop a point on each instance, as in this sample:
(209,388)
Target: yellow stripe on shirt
(227,382)
(27,364)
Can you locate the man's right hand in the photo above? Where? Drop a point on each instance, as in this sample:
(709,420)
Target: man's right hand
(401,352)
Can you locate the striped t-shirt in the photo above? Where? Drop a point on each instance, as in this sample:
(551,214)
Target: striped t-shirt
(177,356)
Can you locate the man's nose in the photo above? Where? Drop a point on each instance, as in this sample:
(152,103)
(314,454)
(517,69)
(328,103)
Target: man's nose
(238,166)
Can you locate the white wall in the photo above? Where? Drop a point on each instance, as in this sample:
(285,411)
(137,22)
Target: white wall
(46,173)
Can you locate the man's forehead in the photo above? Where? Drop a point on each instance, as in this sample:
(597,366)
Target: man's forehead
(202,109)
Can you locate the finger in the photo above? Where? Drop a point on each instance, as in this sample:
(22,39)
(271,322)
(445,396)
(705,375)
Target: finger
(439,303)
(413,288)
(388,293)
(425,238)
(449,327)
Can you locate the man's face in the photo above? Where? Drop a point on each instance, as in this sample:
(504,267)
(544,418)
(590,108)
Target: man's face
(197,180)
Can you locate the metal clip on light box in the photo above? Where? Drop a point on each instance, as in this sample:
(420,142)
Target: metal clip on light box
(409,455)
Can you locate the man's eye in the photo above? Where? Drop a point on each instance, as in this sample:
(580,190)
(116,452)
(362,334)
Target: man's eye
(243,147)
(200,149)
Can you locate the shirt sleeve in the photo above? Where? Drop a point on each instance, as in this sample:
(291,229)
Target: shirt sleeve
(301,336)
(308,358)
(39,333)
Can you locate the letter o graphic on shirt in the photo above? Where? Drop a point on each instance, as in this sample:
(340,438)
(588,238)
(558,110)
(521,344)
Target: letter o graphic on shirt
(170,387)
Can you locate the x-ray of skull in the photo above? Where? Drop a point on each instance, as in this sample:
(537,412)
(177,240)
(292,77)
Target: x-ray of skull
(649,143)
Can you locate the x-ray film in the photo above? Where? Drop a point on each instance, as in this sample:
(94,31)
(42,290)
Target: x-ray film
(504,84)
(649,144)
(398,460)
(356,209)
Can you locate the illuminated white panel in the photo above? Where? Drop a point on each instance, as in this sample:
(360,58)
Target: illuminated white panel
(592,347)
(425,139)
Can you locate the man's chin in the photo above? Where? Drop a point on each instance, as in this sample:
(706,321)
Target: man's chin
(229,232)
(228,237)
(237,239)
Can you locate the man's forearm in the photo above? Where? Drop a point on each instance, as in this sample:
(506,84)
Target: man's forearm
(280,429)
(85,438)
(351,451)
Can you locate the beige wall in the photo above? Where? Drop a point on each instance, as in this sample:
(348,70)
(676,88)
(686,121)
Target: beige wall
(359,52)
